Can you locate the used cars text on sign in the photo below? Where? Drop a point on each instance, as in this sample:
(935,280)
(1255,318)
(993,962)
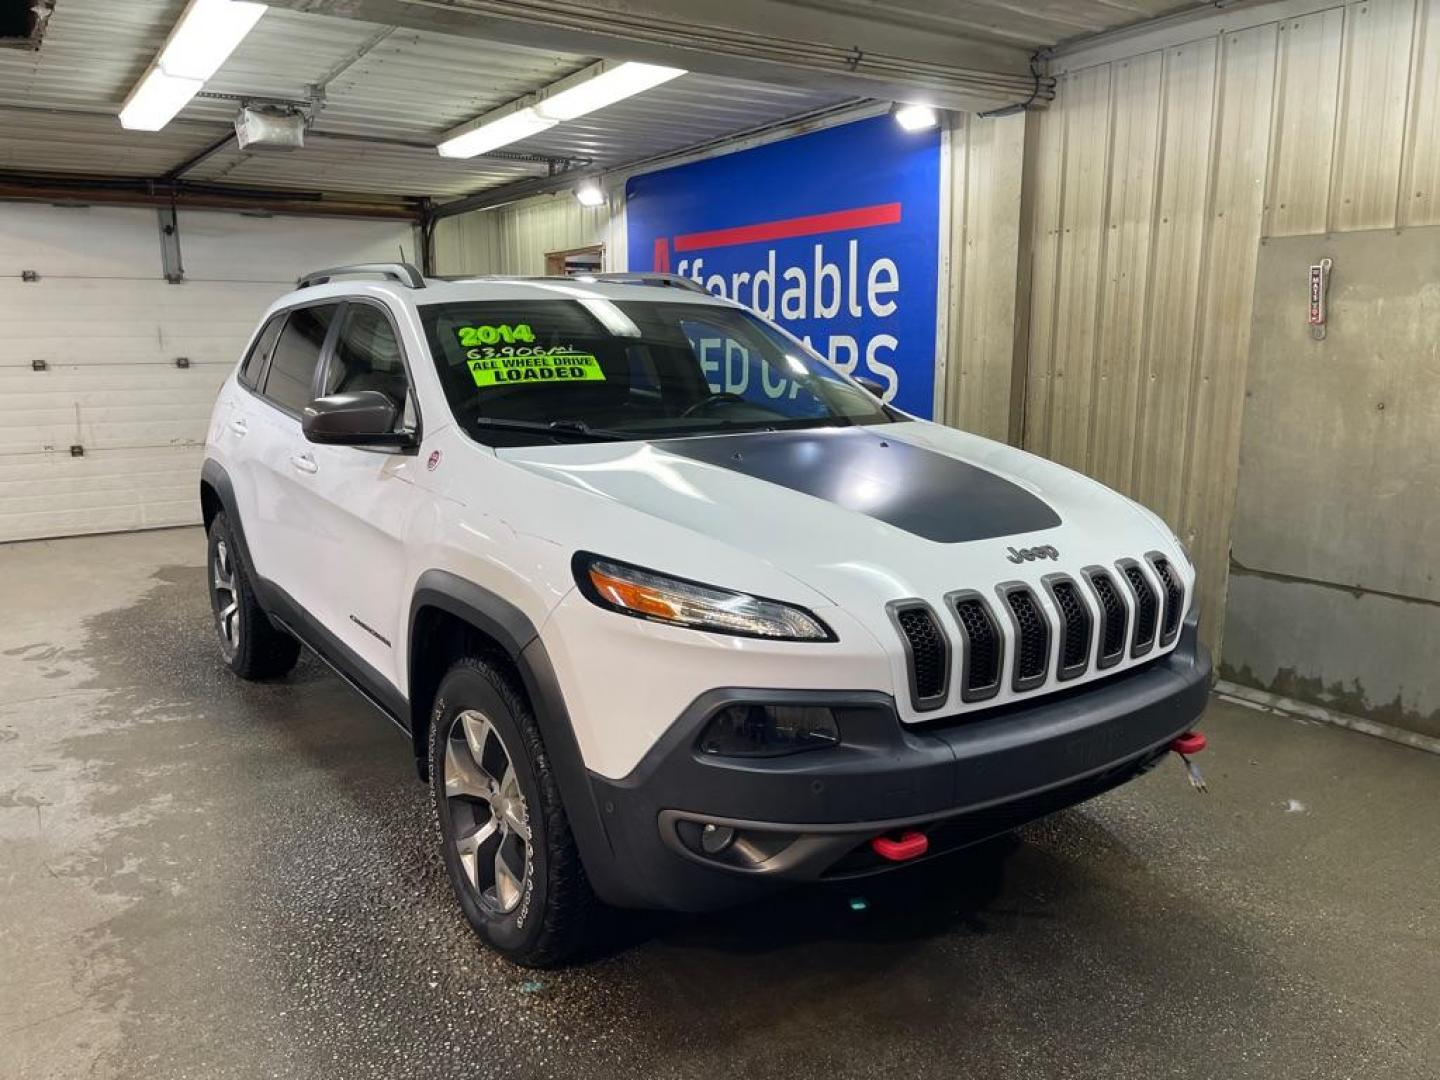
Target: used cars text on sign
(834,235)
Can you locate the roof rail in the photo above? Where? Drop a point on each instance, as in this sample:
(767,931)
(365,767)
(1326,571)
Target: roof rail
(646,277)
(404,273)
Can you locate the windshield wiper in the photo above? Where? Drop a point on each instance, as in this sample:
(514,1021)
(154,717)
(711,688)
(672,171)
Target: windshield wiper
(575,429)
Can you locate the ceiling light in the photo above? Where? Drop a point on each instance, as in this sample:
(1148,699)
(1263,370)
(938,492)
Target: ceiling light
(154,103)
(914,117)
(594,88)
(589,194)
(205,36)
(491,134)
(604,87)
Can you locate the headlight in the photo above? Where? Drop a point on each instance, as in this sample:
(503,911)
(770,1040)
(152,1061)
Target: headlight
(645,594)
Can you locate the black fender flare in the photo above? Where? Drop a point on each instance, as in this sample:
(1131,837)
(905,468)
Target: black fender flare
(512,629)
(214,476)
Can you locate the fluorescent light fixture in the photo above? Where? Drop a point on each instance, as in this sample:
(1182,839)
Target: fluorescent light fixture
(206,36)
(606,87)
(202,40)
(914,117)
(589,194)
(156,100)
(520,124)
(594,88)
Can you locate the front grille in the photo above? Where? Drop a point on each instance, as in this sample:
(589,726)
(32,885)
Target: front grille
(1032,636)
(1075,626)
(1146,603)
(1174,597)
(1112,619)
(927,651)
(983,646)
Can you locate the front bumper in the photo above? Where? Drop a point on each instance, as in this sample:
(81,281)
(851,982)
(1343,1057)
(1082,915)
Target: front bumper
(810,816)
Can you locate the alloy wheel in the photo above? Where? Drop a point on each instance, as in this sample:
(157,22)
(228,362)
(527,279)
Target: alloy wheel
(490,824)
(227,598)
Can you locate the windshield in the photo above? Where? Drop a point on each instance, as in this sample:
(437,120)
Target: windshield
(597,368)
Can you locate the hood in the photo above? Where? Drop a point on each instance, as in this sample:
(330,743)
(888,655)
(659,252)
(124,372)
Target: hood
(858,514)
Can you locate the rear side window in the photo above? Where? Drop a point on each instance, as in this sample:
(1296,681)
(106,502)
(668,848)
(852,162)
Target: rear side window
(260,351)
(297,352)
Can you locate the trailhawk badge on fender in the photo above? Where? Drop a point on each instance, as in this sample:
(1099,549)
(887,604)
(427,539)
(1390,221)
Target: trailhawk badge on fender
(1031,554)
(434,460)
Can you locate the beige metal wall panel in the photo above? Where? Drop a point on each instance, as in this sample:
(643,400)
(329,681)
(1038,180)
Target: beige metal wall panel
(1228,281)
(1186,166)
(984,191)
(1048,240)
(515,239)
(1420,194)
(1318,118)
(1375,79)
(1129,233)
(1082,262)
(1304,130)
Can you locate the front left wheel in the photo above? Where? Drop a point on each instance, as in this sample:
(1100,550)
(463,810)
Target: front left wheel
(507,844)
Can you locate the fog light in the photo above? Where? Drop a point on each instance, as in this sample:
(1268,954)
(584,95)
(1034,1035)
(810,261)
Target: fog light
(769,730)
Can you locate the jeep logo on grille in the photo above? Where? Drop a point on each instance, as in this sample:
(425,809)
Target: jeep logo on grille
(1031,554)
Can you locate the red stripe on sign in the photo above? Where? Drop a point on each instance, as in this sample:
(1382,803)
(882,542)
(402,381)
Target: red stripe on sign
(862,217)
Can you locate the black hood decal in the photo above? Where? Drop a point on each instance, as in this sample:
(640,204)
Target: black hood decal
(925,493)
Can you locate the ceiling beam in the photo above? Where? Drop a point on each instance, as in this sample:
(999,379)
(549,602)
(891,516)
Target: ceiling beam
(140,191)
(766,42)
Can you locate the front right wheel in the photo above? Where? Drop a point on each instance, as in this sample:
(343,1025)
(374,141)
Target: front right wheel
(507,844)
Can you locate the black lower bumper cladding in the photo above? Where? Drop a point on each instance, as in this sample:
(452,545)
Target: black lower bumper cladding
(694,832)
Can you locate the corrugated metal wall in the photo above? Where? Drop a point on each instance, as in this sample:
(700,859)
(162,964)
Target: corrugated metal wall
(982,201)
(1155,178)
(514,239)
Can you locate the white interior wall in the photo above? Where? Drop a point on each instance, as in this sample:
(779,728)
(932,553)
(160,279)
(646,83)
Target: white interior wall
(109,329)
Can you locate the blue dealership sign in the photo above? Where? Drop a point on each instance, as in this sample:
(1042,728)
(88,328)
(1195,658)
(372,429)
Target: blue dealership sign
(834,235)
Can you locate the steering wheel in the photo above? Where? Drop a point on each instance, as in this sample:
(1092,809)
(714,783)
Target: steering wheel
(713,399)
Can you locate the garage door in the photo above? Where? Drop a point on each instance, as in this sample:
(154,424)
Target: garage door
(107,371)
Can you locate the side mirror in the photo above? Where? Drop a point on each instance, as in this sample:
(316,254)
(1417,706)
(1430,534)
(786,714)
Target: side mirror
(359,418)
(873,386)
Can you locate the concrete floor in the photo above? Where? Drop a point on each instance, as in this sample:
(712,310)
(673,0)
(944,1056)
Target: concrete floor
(204,878)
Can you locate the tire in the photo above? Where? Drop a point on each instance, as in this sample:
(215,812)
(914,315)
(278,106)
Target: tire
(506,841)
(252,646)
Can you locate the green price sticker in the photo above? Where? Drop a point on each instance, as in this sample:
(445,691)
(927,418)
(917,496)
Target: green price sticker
(535,369)
(501,333)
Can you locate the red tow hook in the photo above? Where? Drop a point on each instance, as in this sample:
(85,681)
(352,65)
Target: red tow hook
(1192,742)
(909,845)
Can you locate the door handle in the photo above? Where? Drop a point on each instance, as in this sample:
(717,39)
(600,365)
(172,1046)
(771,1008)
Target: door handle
(304,462)
(238,427)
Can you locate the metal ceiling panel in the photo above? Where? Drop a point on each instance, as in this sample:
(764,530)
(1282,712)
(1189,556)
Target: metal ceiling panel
(52,142)
(92,52)
(342,165)
(393,91)
(381,81)
(1035,24)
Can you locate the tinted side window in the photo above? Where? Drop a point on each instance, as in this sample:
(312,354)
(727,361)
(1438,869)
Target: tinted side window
(367,357)
(292,369)
(260,351)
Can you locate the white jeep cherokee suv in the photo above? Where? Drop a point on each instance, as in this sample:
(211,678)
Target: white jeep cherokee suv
(672,611)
